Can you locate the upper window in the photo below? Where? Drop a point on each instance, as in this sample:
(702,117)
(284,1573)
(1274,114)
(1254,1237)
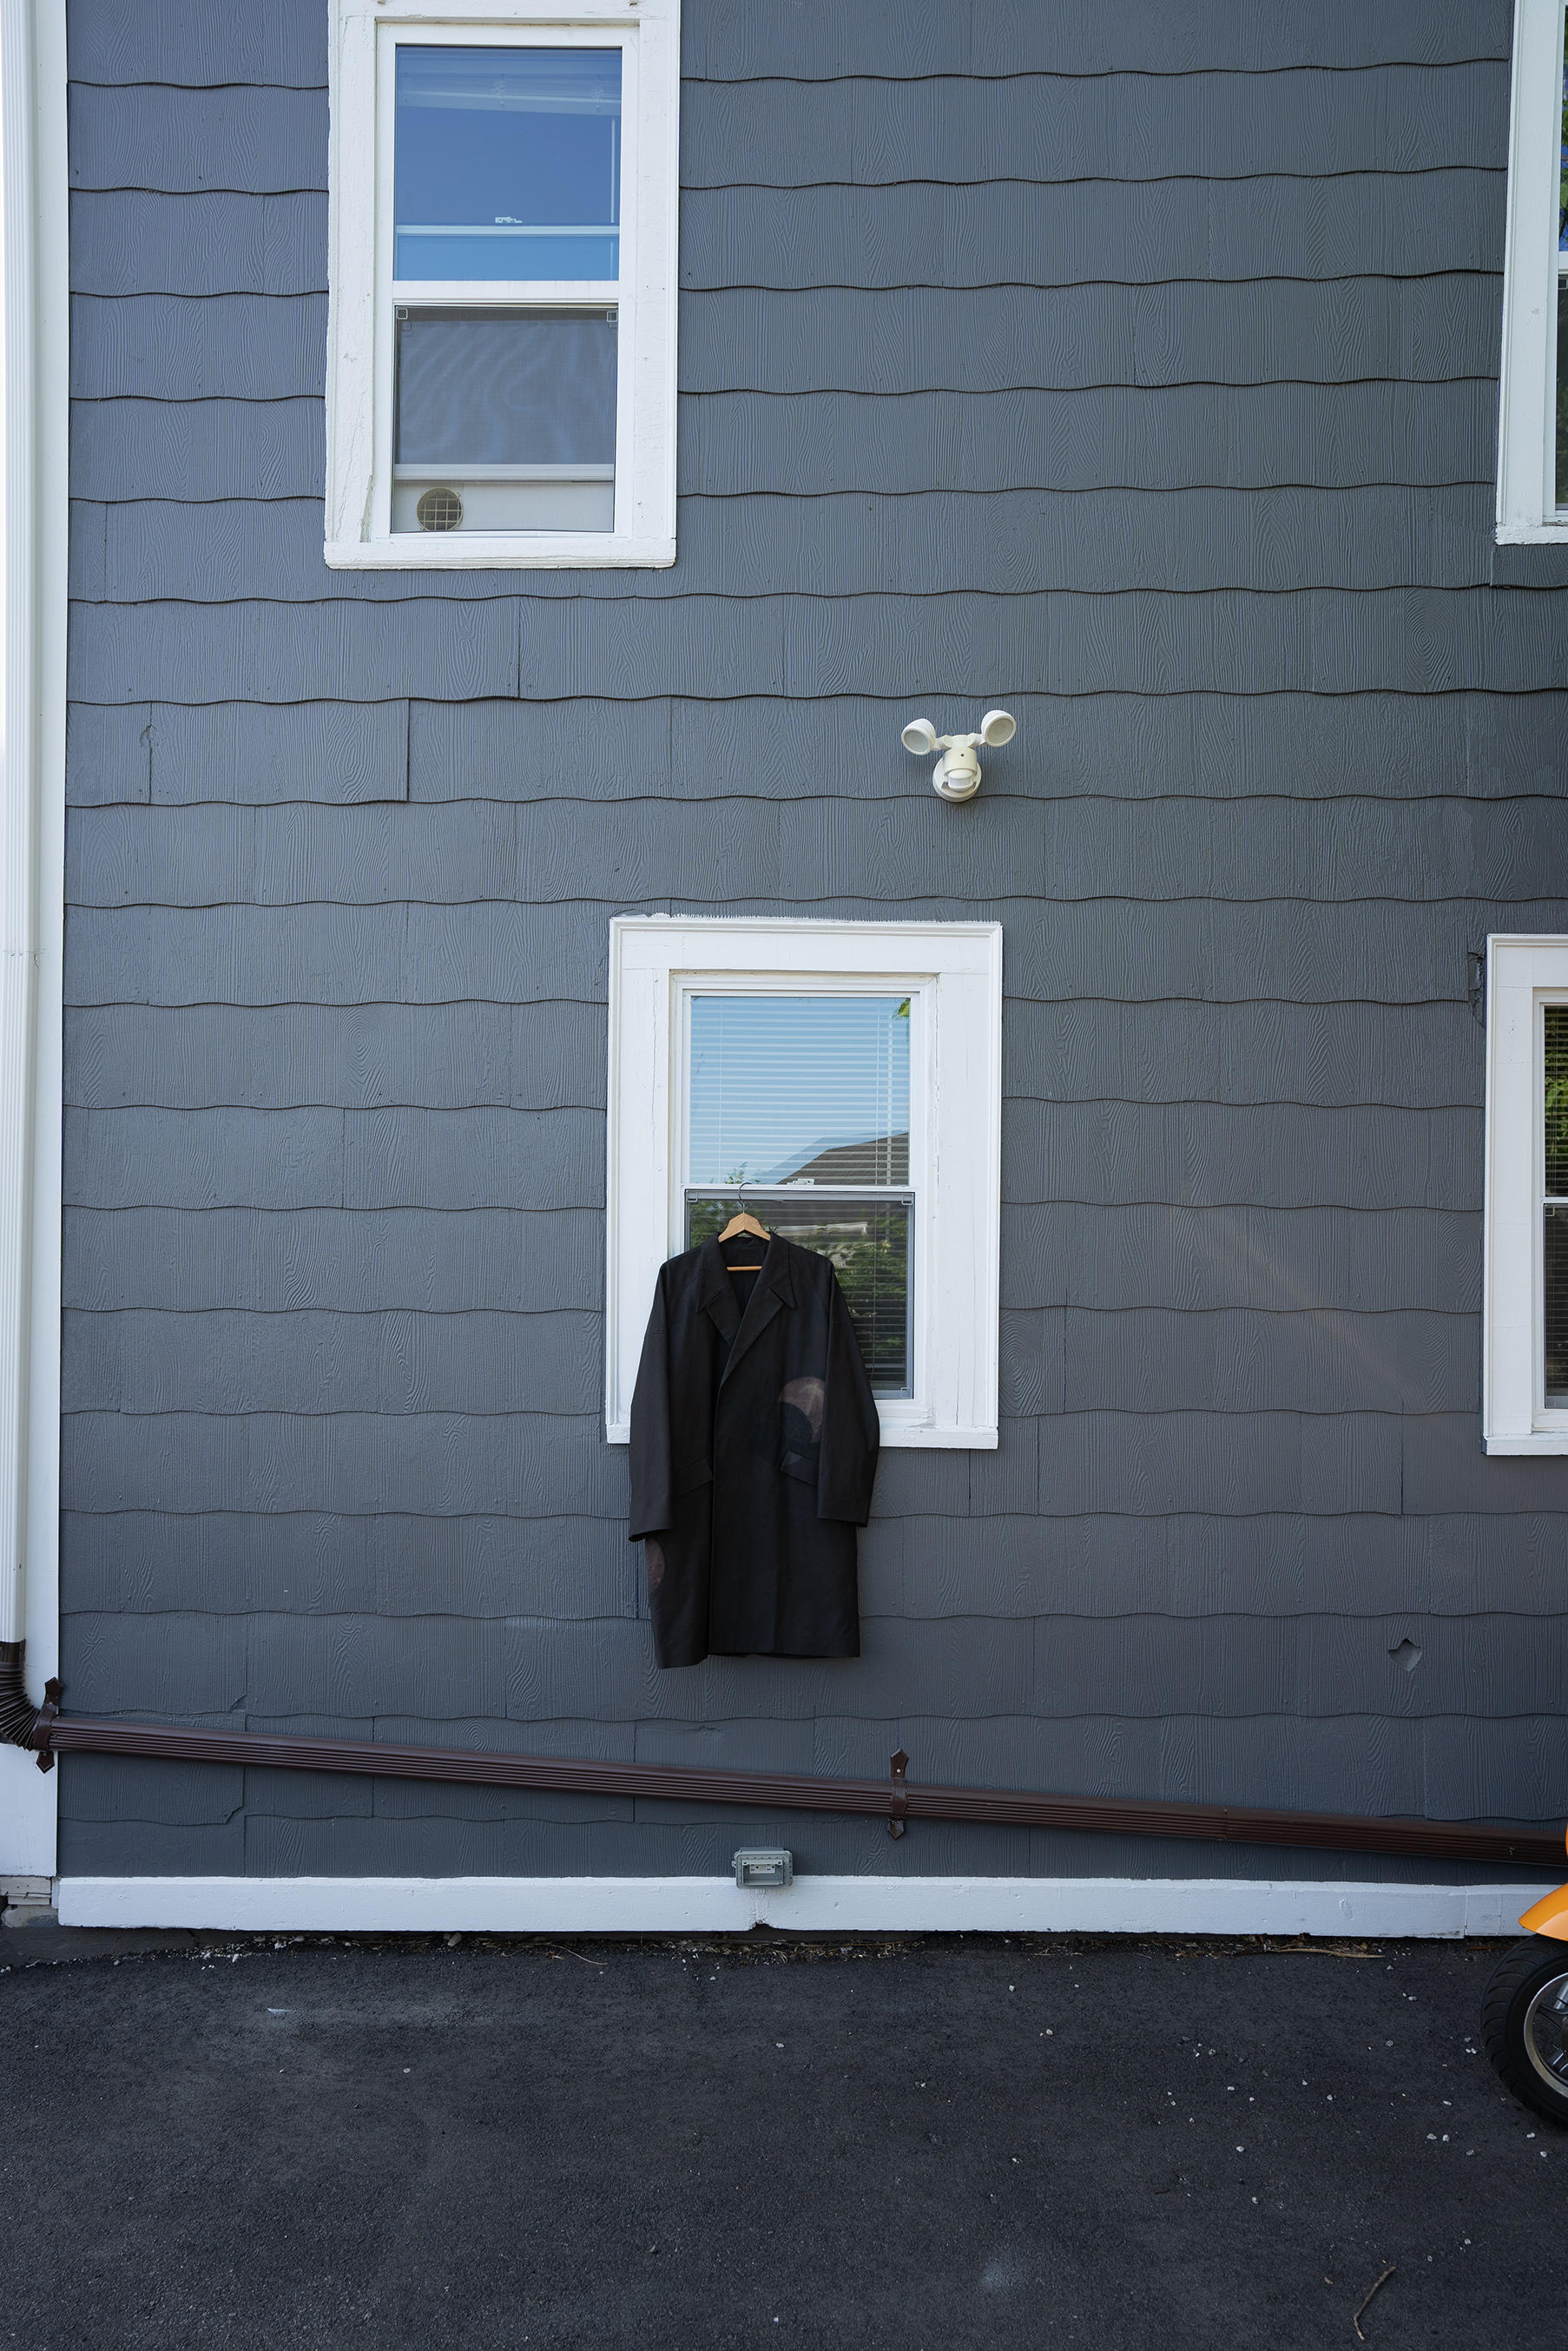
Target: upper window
(842,1080)
(1525,1407)
(1532,450)
(501,356)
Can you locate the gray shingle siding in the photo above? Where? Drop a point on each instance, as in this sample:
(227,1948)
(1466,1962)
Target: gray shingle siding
(1136,368)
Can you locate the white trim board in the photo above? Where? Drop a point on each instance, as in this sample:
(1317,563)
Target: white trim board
(672,1905)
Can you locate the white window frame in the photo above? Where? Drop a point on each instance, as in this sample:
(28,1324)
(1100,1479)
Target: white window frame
(955,1084)
(360,329)
(1527,505)
(1523,973)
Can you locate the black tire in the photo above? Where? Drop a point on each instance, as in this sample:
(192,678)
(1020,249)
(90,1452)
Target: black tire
(1524,2022)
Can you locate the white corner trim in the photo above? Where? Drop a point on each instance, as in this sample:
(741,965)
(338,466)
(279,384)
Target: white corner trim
(32,874)
(672,1906)
(956,969)
(1522,971)
(1526,466)
(358,533)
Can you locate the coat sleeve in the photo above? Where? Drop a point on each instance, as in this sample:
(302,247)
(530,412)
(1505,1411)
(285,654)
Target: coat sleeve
(653,1507)
(851,1431)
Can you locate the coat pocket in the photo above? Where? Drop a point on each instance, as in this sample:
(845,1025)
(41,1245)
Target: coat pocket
(799,1465)
(687,1475)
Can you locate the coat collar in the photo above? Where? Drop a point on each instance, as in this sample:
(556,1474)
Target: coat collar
(773,1290)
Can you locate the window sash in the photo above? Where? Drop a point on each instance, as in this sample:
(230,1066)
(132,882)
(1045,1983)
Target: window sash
(1524,974)
(1545,1415)
(780,1205)
(585,96)
(902,1030)
(586,295)
(684,1186)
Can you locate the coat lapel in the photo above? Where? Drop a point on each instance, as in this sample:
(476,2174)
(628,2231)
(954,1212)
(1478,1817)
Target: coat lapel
(774,1288)
(716,1294)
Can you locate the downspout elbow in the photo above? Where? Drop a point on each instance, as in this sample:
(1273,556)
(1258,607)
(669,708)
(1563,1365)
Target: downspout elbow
(19,1717)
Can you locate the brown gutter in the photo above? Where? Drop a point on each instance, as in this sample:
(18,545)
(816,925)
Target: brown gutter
(895,1801)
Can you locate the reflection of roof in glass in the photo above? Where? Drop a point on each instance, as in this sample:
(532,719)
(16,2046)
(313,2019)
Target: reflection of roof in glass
(512,81)
(870,1159)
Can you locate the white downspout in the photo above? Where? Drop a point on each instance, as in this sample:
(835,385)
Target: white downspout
(34,399)
(18,801)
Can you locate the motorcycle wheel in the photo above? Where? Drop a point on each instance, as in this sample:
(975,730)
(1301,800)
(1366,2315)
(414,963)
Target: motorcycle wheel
(1524,2022)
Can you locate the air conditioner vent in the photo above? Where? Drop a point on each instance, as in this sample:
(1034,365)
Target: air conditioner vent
(439,509)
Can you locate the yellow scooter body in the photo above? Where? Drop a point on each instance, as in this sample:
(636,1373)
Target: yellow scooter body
(1549,1915)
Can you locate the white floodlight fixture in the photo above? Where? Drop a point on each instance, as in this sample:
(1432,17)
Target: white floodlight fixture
(957,772)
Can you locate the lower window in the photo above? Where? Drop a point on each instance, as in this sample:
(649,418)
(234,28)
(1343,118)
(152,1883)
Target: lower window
(842,1082)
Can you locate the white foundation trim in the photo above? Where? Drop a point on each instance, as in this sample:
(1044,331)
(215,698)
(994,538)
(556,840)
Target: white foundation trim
(669,1905)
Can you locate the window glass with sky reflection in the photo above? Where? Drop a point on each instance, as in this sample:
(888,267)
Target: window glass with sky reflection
(807,1097)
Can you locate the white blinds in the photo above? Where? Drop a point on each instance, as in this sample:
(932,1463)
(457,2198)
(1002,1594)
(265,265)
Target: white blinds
(786,1086)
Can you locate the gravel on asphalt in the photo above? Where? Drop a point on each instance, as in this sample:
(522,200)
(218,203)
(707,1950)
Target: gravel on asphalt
(686,2145)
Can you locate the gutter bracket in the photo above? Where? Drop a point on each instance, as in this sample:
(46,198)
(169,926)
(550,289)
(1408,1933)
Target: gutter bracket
(42,1726)
(898,1803)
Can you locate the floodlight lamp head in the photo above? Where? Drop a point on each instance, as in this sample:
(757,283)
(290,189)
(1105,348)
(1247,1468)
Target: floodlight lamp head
(957,771)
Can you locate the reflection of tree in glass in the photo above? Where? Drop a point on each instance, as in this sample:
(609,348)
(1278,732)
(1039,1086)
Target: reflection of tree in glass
(1554,1234)
(874,1275)
(869,1246)
(1556,1101)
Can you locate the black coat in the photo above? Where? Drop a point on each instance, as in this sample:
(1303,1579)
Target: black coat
(753,1443)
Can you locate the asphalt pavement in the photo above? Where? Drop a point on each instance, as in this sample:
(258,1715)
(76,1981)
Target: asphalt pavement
(686,2146)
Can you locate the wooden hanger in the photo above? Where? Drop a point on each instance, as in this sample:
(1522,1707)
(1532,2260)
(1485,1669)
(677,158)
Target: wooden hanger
(744,1223)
